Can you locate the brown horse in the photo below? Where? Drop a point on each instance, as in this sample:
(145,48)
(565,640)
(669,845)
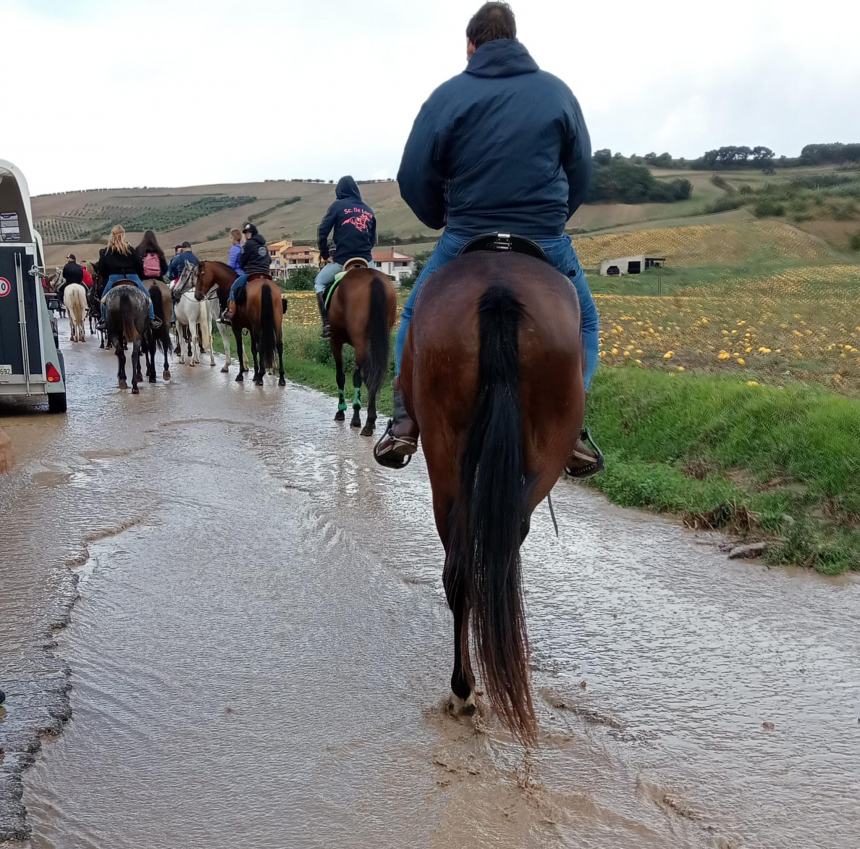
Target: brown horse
(259,308)
(361,313)
(492,374)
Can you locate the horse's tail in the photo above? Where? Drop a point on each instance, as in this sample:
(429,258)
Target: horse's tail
(375,368)
(267,327)
(489,515)
(126,316)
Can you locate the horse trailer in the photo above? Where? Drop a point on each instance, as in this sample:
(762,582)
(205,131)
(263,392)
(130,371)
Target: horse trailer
(31,364)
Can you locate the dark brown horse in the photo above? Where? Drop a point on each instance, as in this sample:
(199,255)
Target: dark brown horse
(361,313)
(259,308)
(492,374)
(162,304)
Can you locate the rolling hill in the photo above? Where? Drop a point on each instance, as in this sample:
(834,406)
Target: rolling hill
(203,215)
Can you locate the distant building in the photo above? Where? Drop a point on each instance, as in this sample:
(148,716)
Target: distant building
(278,268)
(300,256)
(630,265)
(394,264)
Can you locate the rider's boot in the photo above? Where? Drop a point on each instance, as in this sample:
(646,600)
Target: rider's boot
(586,459)
(326,332)
(400,440)
(228,313)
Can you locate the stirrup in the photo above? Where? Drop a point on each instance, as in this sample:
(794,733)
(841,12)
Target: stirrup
(389,457)
(589,469)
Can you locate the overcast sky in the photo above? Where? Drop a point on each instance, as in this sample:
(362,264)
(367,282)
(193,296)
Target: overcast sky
(158,93)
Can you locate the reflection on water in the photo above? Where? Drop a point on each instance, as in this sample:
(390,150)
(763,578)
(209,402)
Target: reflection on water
(261,652)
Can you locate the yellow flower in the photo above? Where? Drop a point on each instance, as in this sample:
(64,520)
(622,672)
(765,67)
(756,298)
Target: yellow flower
(740,361)
(723,356)
(668,355)
(680,368)
(763,350)
(753,383)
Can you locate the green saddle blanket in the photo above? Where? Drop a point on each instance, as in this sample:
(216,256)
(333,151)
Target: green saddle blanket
(330,291)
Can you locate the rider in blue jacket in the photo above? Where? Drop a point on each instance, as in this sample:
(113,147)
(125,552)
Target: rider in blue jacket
(501,147)
(354,226)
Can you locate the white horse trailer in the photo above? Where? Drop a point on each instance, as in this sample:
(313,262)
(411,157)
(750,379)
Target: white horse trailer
(31,364)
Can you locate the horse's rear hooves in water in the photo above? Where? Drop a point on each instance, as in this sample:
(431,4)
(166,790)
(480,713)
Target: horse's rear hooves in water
(122,384)
(367,430)
(240,377)
(356,423)
(282,382)
(340,416)
(166,375)
(151,379)
(225,370)
(135,390)
(462,707)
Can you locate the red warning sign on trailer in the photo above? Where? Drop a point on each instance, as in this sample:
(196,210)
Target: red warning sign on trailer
(5,287)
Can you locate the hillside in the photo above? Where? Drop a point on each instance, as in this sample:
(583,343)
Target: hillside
(821,200)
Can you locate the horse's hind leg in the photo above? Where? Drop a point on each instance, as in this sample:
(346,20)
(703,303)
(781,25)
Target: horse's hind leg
(280,346)
(340,376)
(356,398)
(370,422)
(136,374)
(462,701)
(259,370)
(122,380)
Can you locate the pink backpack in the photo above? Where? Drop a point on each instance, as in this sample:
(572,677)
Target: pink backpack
(151,266)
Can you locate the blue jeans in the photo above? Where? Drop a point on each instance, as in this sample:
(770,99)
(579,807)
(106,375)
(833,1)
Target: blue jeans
(115,278)
(326,276)
(238,283)
(560,253)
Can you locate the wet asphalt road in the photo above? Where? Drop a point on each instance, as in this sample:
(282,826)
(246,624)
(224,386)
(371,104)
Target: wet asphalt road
(260,652)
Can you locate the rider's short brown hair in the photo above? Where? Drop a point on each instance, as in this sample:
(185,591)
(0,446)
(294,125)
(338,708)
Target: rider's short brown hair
(491,21)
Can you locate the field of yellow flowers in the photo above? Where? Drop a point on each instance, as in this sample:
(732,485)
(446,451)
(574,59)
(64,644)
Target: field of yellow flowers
(798,323)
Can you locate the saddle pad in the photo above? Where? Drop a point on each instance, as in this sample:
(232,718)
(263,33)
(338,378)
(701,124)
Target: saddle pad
(330,291)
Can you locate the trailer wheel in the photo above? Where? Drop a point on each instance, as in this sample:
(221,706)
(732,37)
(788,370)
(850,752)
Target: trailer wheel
(57,402)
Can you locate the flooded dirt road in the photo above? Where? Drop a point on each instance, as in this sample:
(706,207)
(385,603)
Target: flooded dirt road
(261,650)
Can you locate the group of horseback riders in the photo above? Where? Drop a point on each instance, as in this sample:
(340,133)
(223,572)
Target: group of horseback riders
(500,148)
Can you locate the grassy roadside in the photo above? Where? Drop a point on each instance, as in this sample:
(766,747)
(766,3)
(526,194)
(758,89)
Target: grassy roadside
(781,464)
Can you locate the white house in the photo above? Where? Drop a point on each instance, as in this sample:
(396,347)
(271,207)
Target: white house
(396,265)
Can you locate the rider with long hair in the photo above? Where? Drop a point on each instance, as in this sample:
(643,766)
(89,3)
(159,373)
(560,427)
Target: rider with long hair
(152,258)
(119,261)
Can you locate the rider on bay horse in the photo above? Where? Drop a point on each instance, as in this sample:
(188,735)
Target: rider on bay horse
(254,259)
(501,147)
(354,226)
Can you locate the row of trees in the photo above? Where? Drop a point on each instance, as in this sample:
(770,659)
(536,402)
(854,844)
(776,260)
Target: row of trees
(742,156)
(618,180)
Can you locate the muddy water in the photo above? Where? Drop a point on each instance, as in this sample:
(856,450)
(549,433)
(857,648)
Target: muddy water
(260,651)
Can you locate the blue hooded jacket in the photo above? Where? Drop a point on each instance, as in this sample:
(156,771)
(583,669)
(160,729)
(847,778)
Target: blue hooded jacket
(500,147)
(353,222)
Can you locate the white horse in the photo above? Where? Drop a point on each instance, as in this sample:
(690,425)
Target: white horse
(214,309)
(75,298)
(192,315)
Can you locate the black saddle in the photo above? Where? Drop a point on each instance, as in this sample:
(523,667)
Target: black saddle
(505,243)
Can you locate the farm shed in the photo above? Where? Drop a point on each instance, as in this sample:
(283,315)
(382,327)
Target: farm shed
(630,265)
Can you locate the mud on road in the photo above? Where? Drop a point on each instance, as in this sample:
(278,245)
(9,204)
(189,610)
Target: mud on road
(259,653)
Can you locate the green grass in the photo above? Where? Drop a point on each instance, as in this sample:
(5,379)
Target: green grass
(775,463)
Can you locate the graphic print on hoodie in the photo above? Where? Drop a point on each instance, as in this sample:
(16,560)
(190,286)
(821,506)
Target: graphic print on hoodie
(353,222)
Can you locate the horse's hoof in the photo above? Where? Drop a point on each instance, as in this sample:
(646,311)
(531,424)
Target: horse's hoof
(122,384)
(151,379)
(462,707)
(355,423)
(340,416)
(165,375)
(367,430)
(282,382)
(225,370)
(240,378)
(135,390)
